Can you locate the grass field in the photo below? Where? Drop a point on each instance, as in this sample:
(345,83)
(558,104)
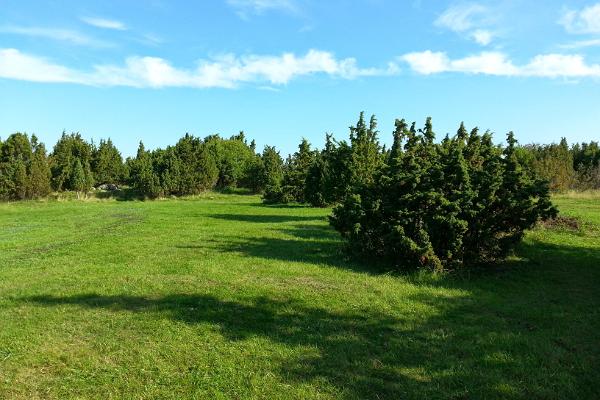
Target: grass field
(222,297)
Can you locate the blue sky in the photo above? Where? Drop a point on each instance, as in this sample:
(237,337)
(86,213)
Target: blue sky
(285,69)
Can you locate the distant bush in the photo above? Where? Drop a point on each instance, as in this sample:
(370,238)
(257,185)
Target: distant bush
(24,168)
(322,178)
(445,205)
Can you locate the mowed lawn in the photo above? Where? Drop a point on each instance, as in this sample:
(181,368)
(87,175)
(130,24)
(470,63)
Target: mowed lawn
(222,297)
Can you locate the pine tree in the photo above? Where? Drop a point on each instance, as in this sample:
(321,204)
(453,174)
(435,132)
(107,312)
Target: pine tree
(15,162)
(78,179)
(62,160)
(273,166)
(19,188)
(40,175)
(399,135)
(107,163)
(207,169)
(273,175)
(366,157)
(294,181)
(143,177)
(314,188)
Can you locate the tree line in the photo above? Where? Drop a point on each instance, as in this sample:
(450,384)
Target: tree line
(191,166)
(317,177)
(565,167)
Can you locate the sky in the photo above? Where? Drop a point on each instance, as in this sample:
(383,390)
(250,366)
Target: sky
(281,70)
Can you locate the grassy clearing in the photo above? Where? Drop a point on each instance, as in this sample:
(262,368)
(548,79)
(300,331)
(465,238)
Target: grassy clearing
(222,297)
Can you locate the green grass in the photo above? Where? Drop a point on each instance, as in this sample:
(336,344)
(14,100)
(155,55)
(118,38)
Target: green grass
(221,297)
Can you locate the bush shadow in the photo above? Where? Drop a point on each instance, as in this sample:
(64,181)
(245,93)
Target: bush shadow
(369,354)
(264,218)
(490,338)
(364,354)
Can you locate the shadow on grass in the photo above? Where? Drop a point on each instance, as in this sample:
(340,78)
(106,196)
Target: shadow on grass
(468,346)
(278,205)
(264,219)
(529,334)
(312,232)
(325,252)
(365,354)
(305,243)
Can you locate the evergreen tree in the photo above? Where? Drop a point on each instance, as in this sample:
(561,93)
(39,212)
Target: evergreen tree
(399,135)
(315,190)
(443,206)
(19,188)
(40,175)
(266,171)
(521,200)
(143,178)
(273,167)
(78,181)
(207,169)
(15,161)
(366,156)
(107,163)
(67,150)
(294,180)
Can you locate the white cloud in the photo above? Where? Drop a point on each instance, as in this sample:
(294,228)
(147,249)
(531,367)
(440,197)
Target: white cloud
(230,71)
(482,36)
(496,63)
(560,65)
(586,20)
(63,35)
(581,44)
(489,63)
(461,18)
(427,62)
(227,71)
(470,19)
(244,7)
(16,65)
(104,23)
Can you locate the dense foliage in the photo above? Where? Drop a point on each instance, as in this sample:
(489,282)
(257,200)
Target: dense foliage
(326,177)
(318,177)
(191,166)
(443,205)
(565,167)
(24,169)
(194,165)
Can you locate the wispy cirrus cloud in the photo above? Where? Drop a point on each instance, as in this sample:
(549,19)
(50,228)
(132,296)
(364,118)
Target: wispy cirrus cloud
(104,23)
(583,21)
(244,8)
(470,19)
(580,44)
(499,64)
(228,71)
(63,35)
